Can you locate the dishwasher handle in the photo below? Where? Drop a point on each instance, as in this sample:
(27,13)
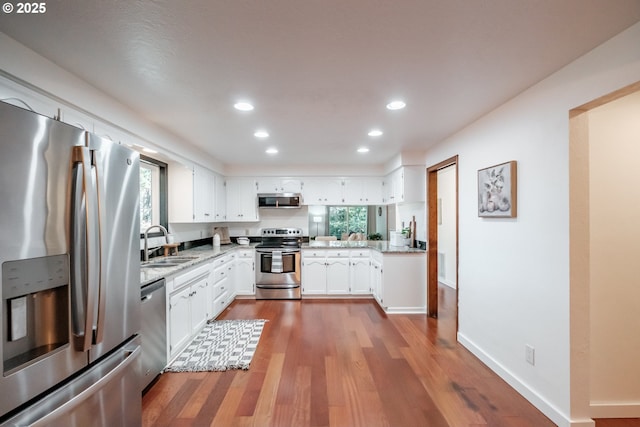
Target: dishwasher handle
(147,290)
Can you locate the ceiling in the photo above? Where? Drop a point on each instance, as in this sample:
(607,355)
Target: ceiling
(319,73)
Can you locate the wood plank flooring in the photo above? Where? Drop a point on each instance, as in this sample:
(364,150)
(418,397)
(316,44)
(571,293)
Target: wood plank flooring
(344,363)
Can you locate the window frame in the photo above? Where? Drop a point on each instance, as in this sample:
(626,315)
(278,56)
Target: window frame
(163,170)
(347,208)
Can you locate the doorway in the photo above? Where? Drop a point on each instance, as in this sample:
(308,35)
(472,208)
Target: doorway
(437,258)
(603,247)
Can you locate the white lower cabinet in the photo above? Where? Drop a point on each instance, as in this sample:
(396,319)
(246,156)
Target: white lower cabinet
(399,282)
(338,272)
(223,283)
(314,272)
(359,274)
(188,306)
(326,272)
(375,278)
(245,274)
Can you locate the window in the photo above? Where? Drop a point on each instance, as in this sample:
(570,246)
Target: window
(153,193)
(344,220)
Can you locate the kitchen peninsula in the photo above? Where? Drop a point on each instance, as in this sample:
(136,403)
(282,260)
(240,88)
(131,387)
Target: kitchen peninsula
(394,275)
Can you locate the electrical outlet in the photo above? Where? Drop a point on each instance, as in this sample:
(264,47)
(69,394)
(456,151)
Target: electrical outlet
(530,354)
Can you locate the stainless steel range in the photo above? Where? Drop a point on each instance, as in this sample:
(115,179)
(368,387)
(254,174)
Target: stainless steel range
(278,264)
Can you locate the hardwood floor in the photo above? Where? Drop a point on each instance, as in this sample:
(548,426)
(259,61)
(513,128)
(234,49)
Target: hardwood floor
(344,363)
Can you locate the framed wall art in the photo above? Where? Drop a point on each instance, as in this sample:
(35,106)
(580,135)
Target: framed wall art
(497,191)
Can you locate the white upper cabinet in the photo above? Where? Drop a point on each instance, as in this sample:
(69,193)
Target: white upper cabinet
(203,194)
(323,191)
(180,179)
(242,199)
(191,194)
(279,185)
(363,191)
(220,197)
(14,94)
(406,184)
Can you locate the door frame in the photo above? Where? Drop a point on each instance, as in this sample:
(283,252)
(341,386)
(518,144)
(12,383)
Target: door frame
(432,235)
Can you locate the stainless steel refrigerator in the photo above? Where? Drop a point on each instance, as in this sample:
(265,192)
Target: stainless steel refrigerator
(69,290)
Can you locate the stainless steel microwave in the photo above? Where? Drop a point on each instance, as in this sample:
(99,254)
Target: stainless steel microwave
(280,200)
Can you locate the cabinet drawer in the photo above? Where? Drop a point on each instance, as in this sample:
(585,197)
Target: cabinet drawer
(220,261)
(244,254)
(360,253)
(311,253)
(220,288)
(190,276)
(220,274)
(338,253)
(221,302)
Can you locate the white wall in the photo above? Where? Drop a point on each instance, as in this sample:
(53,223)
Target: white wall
(514,273)
(447,225)
(614,142)
(405,212)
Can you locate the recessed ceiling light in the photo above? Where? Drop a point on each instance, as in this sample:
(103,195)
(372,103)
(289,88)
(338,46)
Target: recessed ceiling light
(396,105)
(261,134)
(375,132)
(363,150)
(271,151)
(243,106)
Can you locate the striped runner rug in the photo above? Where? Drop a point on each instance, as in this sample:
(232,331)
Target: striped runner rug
(221,345)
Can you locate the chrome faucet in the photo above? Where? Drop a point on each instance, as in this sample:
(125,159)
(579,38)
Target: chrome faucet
(146,239)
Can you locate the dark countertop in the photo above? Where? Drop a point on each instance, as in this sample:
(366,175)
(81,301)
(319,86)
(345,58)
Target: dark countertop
(202,253)
(378,245)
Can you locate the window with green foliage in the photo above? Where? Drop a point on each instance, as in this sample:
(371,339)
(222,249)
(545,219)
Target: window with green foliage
(153,193)
(346,220)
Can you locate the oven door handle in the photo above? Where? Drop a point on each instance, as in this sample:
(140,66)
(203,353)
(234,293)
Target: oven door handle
(269,252)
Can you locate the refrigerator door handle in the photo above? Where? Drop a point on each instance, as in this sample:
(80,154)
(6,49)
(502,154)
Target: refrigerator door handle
(102,282)
(85,276)
(130,357)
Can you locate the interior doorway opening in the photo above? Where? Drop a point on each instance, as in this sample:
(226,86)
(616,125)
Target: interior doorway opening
(442,220)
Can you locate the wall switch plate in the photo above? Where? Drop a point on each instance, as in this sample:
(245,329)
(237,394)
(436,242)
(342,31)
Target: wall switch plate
(530,354)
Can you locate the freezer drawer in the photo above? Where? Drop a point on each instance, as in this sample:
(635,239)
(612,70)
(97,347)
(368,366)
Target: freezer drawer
(105,395)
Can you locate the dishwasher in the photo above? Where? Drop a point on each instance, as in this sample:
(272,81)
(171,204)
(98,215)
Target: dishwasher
(153,330)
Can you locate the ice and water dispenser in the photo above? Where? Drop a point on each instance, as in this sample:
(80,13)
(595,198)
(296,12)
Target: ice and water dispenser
(35,298)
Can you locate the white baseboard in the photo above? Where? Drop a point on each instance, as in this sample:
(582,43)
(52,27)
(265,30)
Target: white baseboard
(615,410)
(532,396)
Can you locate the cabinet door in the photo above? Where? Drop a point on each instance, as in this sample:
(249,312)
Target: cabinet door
(338,275)
(199,304)
(245,274)
(323,191)
(314,276)
(179,319)
(279,185)
(242,202)
(232,275)
(376,280)
(373,191)
(203,194)
(180,193)
(220,204)
(290,185)
(360,279)
(354,191)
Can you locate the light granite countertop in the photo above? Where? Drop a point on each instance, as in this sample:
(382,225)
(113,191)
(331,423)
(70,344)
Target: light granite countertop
(378,245)
(207,252)
(201,253)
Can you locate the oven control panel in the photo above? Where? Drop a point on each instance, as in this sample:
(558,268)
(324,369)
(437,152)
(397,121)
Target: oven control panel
(284,232)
